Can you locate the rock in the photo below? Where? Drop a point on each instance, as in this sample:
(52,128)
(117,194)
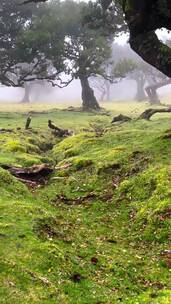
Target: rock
(121,118)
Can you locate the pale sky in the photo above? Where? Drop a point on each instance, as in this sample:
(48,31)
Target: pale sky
(163,34)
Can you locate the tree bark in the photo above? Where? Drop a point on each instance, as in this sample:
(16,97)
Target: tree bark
(152,51)
(89,100)
(140,95)
(144,18)
(26,97)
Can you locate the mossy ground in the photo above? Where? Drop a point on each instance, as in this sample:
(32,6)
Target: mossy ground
(94,234)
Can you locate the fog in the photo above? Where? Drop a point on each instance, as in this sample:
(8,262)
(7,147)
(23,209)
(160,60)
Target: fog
(122,91)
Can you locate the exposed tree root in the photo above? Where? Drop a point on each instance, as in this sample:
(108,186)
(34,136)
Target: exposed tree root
(151,90)
(147,114)
(32,176)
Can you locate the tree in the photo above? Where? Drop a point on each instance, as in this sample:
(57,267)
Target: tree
(137,74)
(92,51)
(148,78)
(13,19)
(140,81)
(87,49)
(21,60)
(70,46)
(151,90)
(49,43)
(27,89)
(102,85)
(144,18)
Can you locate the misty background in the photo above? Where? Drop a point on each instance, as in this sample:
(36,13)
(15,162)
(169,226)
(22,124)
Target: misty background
(123,90)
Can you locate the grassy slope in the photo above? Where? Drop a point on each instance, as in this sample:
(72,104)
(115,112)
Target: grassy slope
(105,217)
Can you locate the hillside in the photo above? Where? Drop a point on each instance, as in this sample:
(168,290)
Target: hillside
(98,230)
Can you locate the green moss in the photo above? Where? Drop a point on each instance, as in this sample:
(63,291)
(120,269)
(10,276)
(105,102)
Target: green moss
(73,145)
(93,217)
(151,297)
(140,187)
(150,195)
(81,162)
(30,148)
(10,184)
(27,160)
(14,146)
(5,177)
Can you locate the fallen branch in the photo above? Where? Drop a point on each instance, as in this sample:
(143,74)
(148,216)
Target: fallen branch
(151,90)
(147,114)
(58,131)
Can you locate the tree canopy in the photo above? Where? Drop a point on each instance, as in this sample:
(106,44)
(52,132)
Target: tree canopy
(50,43)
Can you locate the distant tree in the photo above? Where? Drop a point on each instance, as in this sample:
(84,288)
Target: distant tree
(148,79)
(103,86)
(27,89)
(116,70)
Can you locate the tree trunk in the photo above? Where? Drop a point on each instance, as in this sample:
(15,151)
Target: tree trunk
(88,97)
(26,97)
(108,90)
(140,95)
(152,91)
(143,19)
(152,95)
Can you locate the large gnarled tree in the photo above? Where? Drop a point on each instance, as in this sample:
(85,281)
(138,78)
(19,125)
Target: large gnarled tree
(144,17)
